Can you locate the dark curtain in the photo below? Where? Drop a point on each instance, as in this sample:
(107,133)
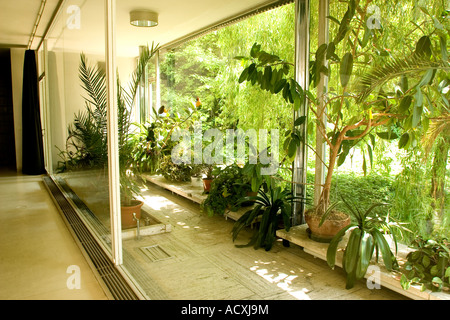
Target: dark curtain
(33,152)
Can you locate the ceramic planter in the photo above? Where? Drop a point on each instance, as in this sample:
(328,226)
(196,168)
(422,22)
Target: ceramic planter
(328,229)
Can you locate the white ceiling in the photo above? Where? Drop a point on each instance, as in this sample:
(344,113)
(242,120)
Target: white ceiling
(176,19)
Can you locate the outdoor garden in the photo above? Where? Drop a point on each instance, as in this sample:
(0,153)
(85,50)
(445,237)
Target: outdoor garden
(384,117)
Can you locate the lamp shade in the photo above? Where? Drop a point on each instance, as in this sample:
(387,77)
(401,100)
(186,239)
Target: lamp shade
(143,18)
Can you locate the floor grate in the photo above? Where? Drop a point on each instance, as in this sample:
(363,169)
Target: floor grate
(111,277)
(155,253)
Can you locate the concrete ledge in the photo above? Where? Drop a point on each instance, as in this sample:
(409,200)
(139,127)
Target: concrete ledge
(298,235)
(190,191)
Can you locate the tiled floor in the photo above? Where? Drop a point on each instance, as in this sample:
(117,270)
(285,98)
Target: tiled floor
(38,256)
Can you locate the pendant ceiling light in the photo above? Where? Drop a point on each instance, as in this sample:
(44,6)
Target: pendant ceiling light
(143,18)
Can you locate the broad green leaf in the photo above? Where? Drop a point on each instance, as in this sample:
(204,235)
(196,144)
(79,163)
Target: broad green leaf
(403,140)
(299,121)
(425,261)
(426,78)
(332,247)
(366,252)
(346,68)
(364,164)
(404,83)
(331,50)
(417,114)
(279,85)
(243,75)
(405,283)
(444,52)
(447,272)
(370,152)
(437,282)
(254,51)
(292,148)
(384,248)
(405,103)
(423,47)
(433,270)
(387,135)
(341,158)
(351,253)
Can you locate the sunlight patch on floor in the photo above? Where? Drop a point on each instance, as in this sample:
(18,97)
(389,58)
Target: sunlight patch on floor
(281,279)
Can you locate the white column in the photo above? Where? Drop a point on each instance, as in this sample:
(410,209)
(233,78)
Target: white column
(158,82)
(302,17)
(322,89)
(113,149)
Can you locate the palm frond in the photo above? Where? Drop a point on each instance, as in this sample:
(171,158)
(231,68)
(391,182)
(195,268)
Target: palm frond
(93,81)
(439,126)
(393,69)
(144,58)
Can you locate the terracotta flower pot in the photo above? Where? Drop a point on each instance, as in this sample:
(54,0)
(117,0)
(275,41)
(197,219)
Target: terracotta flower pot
(127,214)
(207,184)
(331,226)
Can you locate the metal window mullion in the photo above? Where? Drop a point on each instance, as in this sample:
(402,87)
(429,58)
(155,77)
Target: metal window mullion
(113,139)
(158,81)
(46,109)
(302,20)
(322,88)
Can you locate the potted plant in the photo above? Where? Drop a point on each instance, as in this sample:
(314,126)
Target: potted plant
(229,185)
(270,211)
(323,228)
(129,169)
(88,136)
(130,206)
(428,265)
(196,175)
(365,238)
(174,172)
(208,177)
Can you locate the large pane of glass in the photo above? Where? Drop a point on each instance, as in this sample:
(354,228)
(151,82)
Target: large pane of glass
(199,83)
(76,109)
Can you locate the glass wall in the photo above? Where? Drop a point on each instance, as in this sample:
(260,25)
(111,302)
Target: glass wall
(75,112)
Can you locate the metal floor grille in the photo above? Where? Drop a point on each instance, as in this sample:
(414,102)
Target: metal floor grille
(110,276)
(155,253)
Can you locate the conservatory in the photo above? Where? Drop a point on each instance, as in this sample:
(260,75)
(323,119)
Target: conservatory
(322,124)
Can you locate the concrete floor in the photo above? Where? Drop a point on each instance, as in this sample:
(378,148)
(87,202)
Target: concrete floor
(205,264)
(36,248)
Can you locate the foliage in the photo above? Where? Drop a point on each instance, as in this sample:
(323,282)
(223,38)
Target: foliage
(229,185)
(365,238)
(355,110)
(269,211)
(428,265)
(86,145)
(89,135)
(175,172)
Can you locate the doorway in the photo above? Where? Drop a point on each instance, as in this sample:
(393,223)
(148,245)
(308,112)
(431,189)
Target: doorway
(7,142)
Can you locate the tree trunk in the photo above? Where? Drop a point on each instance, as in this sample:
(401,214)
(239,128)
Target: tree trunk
(325,198)
(438,171)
